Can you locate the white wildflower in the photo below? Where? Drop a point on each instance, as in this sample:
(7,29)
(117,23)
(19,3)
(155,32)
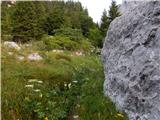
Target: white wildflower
(9,5)
(65,85)
(69,85)
(39,81)
(75,81)
(29,86)
(37,90)
(75,116)
(57,51)
(33,80)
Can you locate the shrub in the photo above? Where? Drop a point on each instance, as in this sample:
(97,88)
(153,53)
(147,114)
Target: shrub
(73,34)
(85,45)
(96,37)
(62,56)
(60,42)
(6,38)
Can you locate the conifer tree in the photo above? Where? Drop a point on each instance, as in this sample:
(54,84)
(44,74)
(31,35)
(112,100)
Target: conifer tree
(26,25)
(104,23)
(106,20)
(113,11)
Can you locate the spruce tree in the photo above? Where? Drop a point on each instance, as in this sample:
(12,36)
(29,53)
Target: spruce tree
(55,18)
(104,23)
(26,25)
(113,11)
(106,20)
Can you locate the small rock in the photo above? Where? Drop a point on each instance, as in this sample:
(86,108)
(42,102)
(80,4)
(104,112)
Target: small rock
(12,45)
(34,57)
(78,53)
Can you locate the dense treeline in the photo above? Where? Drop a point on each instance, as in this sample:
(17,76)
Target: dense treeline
(25,21)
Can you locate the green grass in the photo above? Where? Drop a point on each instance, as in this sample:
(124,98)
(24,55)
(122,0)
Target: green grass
(72,85)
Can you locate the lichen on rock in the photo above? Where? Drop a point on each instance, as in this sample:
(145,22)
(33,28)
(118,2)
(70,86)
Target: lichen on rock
(131,58)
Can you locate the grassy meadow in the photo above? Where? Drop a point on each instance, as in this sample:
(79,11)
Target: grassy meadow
(61,86)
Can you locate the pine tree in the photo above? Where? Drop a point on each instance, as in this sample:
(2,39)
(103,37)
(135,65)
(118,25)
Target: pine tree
(113,11)
(55,17)
(26,25)
(40,14)
(86,22)
(106,20)
(104,23)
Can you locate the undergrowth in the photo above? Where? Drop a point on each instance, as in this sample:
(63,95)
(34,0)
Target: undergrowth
(59,87)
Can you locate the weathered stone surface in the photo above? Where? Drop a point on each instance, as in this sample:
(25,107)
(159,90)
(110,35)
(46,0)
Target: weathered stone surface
(34,57)
(11,44)
(131,57)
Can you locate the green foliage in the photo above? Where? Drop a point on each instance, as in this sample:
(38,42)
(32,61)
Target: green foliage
(26,22)
(113,11)
(60,42)
(30,20)
(73,34)
(54,88)
(62,57)
(53,21)
(65,43)
(107,19)
(104,23)
(85,46)
(92,102)
(86,24)
(6,26)
(96,37)
(6,37)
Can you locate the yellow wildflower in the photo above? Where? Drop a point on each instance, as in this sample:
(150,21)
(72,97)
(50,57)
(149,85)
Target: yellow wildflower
(46,118)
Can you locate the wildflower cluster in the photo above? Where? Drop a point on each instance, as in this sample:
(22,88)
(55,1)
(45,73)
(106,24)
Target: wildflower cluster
(33,83)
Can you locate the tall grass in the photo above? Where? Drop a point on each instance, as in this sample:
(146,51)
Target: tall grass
(58,87)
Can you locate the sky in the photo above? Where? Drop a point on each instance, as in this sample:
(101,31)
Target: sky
(96,7)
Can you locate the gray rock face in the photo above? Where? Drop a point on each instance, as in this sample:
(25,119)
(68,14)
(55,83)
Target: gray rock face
(131,58)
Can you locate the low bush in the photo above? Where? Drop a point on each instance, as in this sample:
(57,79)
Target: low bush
(73,34)
(65,43)
(60,42)
(6,37)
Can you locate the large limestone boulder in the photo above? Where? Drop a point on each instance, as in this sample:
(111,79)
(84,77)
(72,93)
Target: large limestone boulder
(131,58)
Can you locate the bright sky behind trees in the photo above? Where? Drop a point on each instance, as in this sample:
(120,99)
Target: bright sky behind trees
(96,7)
